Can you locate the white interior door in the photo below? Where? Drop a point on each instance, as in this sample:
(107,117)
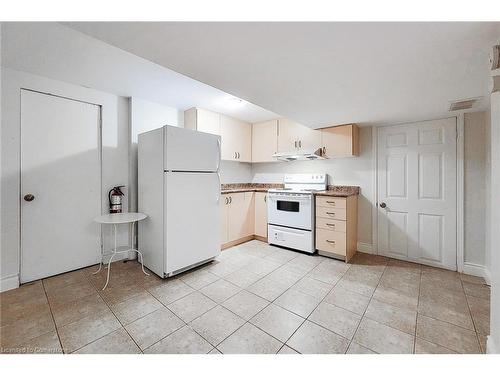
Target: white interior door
(60,167)
(417,184)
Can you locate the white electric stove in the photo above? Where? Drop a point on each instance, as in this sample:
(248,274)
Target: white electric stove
(290,211)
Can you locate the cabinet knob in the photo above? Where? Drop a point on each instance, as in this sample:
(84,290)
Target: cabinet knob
(383,205)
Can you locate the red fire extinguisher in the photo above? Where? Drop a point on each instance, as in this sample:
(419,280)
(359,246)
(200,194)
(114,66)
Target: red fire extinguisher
(115,199)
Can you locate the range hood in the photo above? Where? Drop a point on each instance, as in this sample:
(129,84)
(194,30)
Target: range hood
(301,155)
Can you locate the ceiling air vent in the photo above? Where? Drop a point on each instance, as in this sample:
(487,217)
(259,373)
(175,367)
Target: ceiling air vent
(460,105)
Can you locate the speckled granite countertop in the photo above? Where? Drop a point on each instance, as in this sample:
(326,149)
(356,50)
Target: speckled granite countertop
(339,191)
(333,191)
(241,188)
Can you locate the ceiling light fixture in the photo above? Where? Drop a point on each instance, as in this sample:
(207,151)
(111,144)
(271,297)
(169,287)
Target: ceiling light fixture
(234,102)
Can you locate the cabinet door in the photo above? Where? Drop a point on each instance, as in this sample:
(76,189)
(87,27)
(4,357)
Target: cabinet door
(249,209)
(224,230)
(293,136)
(309,139)
(261,214)
(236,138)
(207,121)
(287,135)
(236,216)
(241,216)
(340,141)
(264,141)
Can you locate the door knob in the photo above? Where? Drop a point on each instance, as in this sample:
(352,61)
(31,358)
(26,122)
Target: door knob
(383,205)
(29,197)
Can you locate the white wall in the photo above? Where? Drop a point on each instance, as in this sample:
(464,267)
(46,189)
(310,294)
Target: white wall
(493,345)
(115,140)
(233,172)
(145,116)
(343,171)
(475,169)
(487,243)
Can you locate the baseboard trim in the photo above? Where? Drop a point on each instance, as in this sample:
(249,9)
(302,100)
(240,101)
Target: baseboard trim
(237,242)
(490,346)
(9,282)
(131,255)
(475,270)
(364,247)
(12,281)
(487,276)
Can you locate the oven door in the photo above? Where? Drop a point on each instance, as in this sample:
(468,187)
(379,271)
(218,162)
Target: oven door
(290,210)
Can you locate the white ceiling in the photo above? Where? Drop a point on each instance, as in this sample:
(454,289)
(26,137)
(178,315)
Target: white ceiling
(323,73)
(59,52)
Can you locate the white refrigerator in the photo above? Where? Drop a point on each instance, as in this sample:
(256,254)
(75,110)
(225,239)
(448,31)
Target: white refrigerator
(179,190)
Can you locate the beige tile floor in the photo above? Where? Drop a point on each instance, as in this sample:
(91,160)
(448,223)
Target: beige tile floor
(254,298)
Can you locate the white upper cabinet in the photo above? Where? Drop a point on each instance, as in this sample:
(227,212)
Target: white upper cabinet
(295,137)
(236,140)
(202,120)
(264,141)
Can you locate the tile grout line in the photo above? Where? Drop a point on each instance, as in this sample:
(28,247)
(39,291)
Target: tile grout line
(112,312)
(271,302)
(417,313)
(182,320)
(471,317)
(52,315)
(306,319)
(364,312)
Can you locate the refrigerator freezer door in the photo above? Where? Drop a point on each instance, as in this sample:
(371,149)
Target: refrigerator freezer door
(192,229)
(190,150)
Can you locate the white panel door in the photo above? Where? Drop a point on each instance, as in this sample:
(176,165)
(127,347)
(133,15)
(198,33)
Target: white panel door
(60,168)
(192,219)
(417,185)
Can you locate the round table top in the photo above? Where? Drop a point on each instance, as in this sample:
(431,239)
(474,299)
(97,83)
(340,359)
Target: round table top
(120,218)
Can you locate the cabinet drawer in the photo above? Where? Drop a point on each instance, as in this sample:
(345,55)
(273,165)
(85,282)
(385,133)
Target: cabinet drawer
(331,213)
(331,241)
(331,202)
(329,224)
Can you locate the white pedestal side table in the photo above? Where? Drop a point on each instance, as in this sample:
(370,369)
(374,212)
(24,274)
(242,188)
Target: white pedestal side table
(129,218)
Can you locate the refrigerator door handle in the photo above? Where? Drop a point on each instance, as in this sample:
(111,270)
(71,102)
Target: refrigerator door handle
(220,188)
(220,154)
